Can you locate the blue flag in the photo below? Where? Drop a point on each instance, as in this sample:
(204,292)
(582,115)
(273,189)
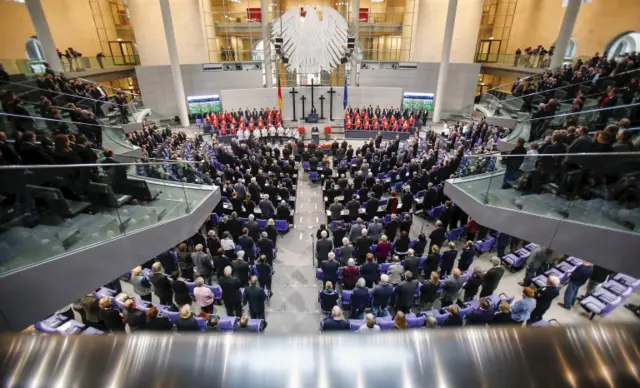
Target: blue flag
(345,101)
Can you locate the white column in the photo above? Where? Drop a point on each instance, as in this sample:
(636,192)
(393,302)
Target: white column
(444,62)
(43,32)
(566,29)
(355,20)
(175,62)
(266,41)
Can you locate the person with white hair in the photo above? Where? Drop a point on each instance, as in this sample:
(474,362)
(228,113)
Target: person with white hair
(350,274)
(375,229)
(323,247)
(544,298)
(363,246)
(381,297)
(240,188)
(336,210)
(404,293)
(370,324)
(336,322)
(346,251)
(161,284)
(266,207)
(241,268)
(330,269)
(203,263)
(254,296)
(231,295)
(430,322)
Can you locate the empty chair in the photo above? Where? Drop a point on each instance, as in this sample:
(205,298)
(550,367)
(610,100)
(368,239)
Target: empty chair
(226,324)
(282,226)
(313,176)
(531,246)
(617,288)
(415,321)
(101,193)
(56,201)
(455,234)
(305,166)
(627,280)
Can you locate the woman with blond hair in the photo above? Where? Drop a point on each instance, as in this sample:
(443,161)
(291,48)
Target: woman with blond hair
(141,285)
(431,264)
(186,320)
(400,321)
(454,319)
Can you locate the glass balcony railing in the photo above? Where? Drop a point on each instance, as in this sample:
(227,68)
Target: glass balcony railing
(30,68)
(101,136)
(52,210)
(537,129)
(595,189)
(522,106)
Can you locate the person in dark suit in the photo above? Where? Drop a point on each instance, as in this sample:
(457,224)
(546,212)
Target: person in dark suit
(472,286)
(8,152)
(336,321)
(85,152)
(382,294)
(544,297)
(370,271)
(503,316)
(330,269)
(266,247)
(220,262)
(454,319)
(323,247)
(359,299)
(445,217)
(438,235)
(180,290)
(363,246)
(448,259)
(247,244)
(328,298)
(404,293)
(482,315)
(231,293)
(466,256)
(431,263)
(110,316)
(411,263)
(32,153)
(265,273)
(282,212)
(253,228)
(429,291)
(391,228)
(241,269)
(492,278)
(161,284)
(514,162)
(156,323)
(254,295)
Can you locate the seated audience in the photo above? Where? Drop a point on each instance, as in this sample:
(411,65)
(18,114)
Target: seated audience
(454,319)
(369,326)
(522,309)
(336,322)
(400,321)
(203,296)
(186,321)
(157,323)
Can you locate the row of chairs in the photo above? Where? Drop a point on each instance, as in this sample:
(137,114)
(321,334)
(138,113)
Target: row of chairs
(282,226)
(610,295)
(226,324)
(516,260)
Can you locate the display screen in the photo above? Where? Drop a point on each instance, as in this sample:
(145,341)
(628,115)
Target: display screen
(418,101)
(204,104)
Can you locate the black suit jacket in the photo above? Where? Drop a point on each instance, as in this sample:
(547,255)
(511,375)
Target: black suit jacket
(230,290)
(492,278)
(330,270)
(255,296)
(241,271)
(247,244)
(34,154)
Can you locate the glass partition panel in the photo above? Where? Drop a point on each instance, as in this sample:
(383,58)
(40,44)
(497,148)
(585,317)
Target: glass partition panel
(594,188)
(50,210)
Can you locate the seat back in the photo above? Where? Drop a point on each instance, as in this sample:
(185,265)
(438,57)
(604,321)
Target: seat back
(282,225)
(53,197)
(101,193)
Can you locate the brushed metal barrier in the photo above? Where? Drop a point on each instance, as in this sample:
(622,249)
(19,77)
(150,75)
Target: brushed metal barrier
(580,356)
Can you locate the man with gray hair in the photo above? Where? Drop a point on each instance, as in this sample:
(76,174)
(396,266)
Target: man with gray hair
(253,228)
(544,297)
(240,188)
(363,246)
(323,247)
(346,251)
(203,263)
(370,324)
(161,284)
(356,230)
(431,322)
(254,295)
(336,210)
(536,260)
(266,207)
(381,297)
(492,277)
(330,269)
(375,229)
(231,295)
(241,268)
(438,235)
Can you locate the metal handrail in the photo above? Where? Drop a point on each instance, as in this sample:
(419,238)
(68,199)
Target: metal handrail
(61,93)
(578,113)
(56,120)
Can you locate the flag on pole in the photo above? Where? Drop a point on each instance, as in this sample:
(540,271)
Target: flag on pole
(345,101)
(280,97)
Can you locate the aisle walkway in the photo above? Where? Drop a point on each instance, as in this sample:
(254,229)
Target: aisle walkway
(294,305)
